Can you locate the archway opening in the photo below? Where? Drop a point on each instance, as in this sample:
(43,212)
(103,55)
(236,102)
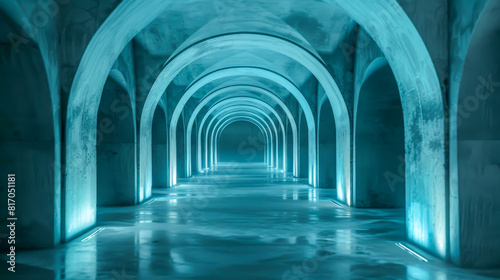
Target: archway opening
(327,161)
(379,143)
(241,142)
(159,149)
(116,146)
(180,151)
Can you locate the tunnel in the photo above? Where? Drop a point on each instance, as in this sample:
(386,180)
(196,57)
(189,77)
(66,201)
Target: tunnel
(235,139)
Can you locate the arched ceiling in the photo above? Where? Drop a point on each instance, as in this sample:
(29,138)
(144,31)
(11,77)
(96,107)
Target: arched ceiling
(318,27)
(323,25)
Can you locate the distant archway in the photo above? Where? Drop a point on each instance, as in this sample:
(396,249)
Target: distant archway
(222,92)
(235,110)
(232,141)
(263,125)
(235,72)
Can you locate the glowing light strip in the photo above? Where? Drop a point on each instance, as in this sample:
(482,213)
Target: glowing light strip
(336,204)
(93,234)
(151,201)
(413,253)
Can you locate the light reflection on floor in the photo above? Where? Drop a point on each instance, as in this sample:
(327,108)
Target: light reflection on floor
(240,223)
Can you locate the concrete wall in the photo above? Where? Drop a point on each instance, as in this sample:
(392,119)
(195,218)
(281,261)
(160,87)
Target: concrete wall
(475,199)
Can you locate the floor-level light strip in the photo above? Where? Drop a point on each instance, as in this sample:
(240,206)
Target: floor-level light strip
(336,204)
(413,253)
(151,201)
(93,234)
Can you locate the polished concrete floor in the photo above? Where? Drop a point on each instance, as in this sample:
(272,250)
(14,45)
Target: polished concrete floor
(240,222)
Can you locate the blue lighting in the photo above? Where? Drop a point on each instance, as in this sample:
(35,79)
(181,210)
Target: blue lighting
(93,234)
(413,253)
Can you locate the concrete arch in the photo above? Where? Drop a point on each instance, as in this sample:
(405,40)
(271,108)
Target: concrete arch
(271,146)
(243,93)
(237,41)
(326,148)
(424,119)
(242,114)
(82,141)
(235,72)
(274,154)
(256,106)
(205,148)
(224,91)
(474,149)
(384,19)
(259,106)
(218,132)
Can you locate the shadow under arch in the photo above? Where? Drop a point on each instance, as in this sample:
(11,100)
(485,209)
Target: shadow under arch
(326,148)
(379,175)
(30,138)
(475,147)
(116,145)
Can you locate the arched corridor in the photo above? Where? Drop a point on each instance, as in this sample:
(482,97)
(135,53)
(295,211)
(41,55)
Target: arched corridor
(236,139)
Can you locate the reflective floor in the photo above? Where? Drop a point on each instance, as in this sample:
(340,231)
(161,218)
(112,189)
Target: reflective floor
(240,222)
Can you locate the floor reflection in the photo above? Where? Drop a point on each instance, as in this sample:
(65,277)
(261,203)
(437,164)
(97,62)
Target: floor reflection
(240,223)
